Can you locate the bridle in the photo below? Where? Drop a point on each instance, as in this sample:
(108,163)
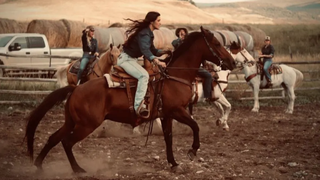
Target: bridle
(166,76)
(98,59)
(211,50)
(246,60)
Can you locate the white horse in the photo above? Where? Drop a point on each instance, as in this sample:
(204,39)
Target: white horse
(220,86)
(288,79)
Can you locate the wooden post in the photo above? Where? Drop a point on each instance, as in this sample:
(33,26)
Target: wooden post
(290,53)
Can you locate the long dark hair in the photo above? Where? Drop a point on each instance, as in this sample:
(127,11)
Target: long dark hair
(137,25)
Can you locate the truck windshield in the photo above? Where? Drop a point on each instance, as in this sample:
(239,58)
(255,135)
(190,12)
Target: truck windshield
(4,40)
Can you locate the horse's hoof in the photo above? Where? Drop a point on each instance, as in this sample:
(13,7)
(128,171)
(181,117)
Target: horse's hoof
(176,169)
(226,129)
(79,170)
(136,131)
(218,122)
(39,170)
(191,154)
(255,110)
(288,112)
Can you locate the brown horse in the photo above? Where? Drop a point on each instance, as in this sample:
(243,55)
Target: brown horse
(89,104)
(101,67)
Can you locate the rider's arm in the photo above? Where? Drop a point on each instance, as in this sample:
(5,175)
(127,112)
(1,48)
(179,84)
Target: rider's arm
(145,44)
(84,40)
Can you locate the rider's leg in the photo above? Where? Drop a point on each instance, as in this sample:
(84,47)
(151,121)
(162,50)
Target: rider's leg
(266,66)
(132,67)
(83,64)
(207,84)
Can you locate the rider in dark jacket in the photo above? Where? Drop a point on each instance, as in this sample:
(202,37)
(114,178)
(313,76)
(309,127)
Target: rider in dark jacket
(140,42)
(89,47)
(181,33)
(267,53)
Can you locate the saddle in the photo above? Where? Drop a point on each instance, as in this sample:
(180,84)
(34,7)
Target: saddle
(200,79)
(87,70)
(273,69)
(118,78)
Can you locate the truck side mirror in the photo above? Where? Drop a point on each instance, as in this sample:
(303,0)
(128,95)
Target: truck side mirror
(15,47)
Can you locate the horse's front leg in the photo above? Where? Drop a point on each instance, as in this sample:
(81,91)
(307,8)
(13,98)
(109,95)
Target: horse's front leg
(255,89)
(166,124)
(182,116)
(223,100)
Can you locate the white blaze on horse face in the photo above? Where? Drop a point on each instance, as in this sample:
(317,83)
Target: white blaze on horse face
(243,56)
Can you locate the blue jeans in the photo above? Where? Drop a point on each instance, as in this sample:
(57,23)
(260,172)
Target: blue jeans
(207,84)
(83,63)
(267,63)
(132,67)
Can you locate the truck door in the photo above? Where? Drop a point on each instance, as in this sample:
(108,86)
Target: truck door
(38,48)
(24,51)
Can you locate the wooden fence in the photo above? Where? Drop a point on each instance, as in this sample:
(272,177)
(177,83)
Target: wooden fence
(231,81)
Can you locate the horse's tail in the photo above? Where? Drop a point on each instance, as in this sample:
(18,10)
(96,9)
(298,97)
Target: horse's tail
(299,77)
(36,115)
(62,79)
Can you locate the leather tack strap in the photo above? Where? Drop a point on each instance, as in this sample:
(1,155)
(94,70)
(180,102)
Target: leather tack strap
(129,96)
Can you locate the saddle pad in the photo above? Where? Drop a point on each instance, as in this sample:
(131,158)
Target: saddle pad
(112,84)
(75,67)
(275,69)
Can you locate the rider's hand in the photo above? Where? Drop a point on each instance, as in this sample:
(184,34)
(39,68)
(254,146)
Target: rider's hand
(159,63)
(96,54)
(168,52)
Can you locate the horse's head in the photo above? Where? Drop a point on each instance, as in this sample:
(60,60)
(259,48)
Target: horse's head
(216,52)
(243,58)
(113,54)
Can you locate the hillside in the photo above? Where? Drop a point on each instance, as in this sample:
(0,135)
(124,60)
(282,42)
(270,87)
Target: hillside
(264,13)
(172,11)
(104,12)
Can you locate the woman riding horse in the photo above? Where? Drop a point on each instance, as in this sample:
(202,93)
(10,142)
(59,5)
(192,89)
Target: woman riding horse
(139,43)
(89,104)
(90,49)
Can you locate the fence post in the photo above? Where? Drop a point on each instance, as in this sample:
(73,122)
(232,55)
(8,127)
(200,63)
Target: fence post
(290,53)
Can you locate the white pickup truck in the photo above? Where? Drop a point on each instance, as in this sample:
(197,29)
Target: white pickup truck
(22,48)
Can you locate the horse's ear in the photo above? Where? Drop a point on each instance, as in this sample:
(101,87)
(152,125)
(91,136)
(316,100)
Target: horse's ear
(111,45)
(208,34)
(201,28)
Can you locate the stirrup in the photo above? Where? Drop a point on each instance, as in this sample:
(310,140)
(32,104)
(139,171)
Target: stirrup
(78,82)
(142,111)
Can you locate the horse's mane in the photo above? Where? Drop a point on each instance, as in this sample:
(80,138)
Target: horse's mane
(186,44)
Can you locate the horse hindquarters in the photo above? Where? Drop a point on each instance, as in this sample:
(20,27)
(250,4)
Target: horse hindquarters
(35,117)
(291,77)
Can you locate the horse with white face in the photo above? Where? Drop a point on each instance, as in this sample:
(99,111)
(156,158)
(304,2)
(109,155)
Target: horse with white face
(286,76)
(219,86)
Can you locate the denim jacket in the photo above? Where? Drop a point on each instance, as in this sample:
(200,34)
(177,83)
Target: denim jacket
(176,43)
(85,46)
(142,44)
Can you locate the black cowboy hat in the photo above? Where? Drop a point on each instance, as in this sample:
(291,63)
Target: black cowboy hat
(179,29)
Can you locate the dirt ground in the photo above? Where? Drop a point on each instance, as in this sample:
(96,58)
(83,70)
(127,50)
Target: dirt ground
(264,145)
